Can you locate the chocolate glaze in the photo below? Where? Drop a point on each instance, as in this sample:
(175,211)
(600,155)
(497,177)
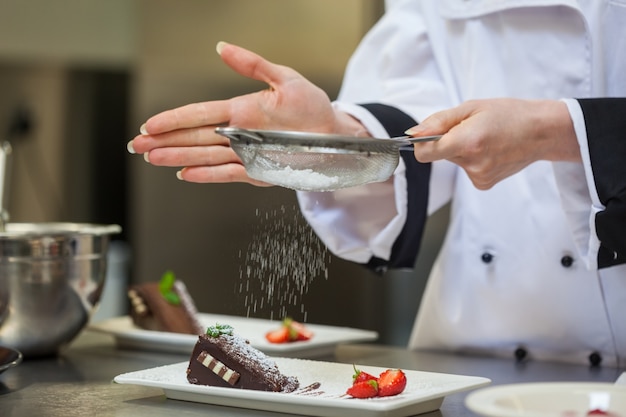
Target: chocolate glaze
(312,390)
(257,371)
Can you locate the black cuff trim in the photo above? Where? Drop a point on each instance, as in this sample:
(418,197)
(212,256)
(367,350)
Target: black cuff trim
(406,247)
(605,121)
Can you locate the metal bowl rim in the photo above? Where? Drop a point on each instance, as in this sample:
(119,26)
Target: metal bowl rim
(15,358)
(290,138)
(58,229)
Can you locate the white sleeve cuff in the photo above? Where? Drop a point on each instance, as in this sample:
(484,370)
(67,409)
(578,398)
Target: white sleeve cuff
(578,192)
(367,119)
(359,223)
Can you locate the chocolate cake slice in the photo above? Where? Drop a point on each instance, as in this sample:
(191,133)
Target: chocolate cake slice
(164,306)
(223,359)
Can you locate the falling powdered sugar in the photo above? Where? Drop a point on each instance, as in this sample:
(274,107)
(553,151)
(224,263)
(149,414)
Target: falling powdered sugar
(282,260)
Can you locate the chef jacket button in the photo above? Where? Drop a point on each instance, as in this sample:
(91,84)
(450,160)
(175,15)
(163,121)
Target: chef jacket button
(520,354)
(486,257)
(595,359)
(567,261)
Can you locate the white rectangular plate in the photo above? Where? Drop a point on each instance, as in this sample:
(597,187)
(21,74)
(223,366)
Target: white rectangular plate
(424,392)
(323,342)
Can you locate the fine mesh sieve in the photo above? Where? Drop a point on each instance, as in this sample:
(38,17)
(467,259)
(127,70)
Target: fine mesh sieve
(314,161)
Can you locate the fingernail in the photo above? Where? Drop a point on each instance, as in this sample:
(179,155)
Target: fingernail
(129,147)
(179,175)
(412,131)
(220,45)
(142,129)
(146,157)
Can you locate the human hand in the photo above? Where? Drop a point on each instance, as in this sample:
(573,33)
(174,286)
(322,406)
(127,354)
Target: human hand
(185,136)
(492,139)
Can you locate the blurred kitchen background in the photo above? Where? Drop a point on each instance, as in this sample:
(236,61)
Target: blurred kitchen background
(78,78)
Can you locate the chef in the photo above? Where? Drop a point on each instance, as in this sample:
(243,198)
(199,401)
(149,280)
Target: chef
(532,266)
(522,272)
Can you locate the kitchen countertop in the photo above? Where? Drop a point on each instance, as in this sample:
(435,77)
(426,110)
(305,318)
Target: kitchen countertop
(79,381)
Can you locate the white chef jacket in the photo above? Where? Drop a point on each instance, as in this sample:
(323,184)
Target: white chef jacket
(518,268)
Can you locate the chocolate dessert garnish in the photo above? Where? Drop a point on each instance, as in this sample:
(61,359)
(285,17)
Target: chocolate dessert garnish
(218,368)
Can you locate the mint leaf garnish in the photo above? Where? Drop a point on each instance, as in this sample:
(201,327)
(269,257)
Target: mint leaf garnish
(219,329)
(166,287)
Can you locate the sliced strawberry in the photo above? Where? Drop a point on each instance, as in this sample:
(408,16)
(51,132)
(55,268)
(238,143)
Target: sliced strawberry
(360,376)
(363,389)
(391,382)
(300,330)
(290,331)
(278,336)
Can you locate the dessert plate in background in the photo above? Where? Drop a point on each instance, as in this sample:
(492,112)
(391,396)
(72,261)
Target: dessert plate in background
(324,341)
(425,391)
(550,399)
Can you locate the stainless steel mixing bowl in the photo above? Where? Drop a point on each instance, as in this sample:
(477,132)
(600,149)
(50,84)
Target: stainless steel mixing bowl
(51,279)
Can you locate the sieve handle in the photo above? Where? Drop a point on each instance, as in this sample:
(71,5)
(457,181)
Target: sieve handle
(238,134)
(411,139)
(408,141)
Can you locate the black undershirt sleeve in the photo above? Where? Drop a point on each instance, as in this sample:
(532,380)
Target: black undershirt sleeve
(406,247)
(605,120)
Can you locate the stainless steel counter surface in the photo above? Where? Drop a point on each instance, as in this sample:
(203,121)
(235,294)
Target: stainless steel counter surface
(79,381)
